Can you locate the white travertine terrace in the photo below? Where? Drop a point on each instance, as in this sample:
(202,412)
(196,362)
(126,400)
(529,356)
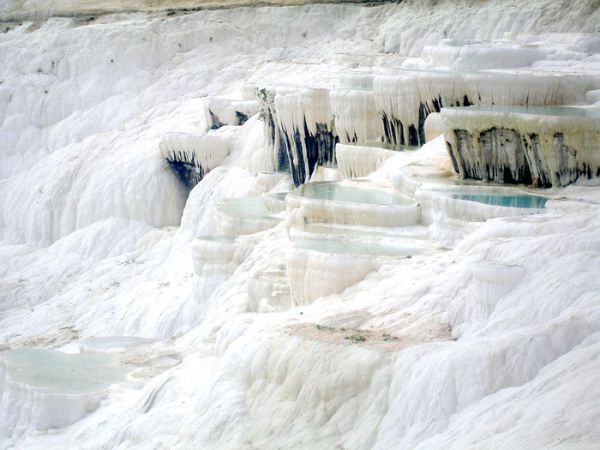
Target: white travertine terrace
(314,274)
(356,161)
(214,259)
(470,204)
(407,97)
(355,115)
(479,55)
(308,327)
(269,291)
(303,123)
(545,147)
(333,203)
(244,215)
(216,250)
(52,389)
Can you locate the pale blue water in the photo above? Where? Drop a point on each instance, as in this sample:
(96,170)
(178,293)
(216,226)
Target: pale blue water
(56,372)
(280,196)
(355,82)
(216,238)
(253,207)
(354,247)
(418,232)
(275,202)
(328,190)
(503,199)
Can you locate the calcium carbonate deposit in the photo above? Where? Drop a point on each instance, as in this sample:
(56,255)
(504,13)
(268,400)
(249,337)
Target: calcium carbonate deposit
(228,225)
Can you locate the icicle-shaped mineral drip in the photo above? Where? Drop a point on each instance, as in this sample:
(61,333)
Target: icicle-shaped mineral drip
(206,151)
(288,110)
(355,161)
(304,117)
(266,101)
(355,116)
(316,108)
(398,98)
(191,155)
(550,146)
(404,99)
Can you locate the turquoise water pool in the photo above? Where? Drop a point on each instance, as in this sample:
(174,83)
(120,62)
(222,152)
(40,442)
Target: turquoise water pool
(279,196)
(415,232)
(55,372)
(327,190)
(275,202)
(502,199)
(252,207)
(346,247)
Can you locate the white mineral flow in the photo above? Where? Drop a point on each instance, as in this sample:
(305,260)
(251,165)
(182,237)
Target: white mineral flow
(434,126)
(408,310)
(111,344)
(314,274)
(214,259)
(355,115)
(492,280)
(472,55)
(220,111)
(356,161)
(544,146)
(269,291)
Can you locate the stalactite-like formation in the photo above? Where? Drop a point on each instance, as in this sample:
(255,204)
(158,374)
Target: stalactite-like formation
(536,146)
(192,156)
(303,124)
(299,128)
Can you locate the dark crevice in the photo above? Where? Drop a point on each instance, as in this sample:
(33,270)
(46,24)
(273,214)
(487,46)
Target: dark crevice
(241,118)
(188,172)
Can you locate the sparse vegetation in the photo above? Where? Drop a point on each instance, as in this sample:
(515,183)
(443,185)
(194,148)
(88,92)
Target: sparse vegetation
(356,338)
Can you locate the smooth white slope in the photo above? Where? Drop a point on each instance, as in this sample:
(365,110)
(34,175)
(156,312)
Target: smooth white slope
(276,386)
